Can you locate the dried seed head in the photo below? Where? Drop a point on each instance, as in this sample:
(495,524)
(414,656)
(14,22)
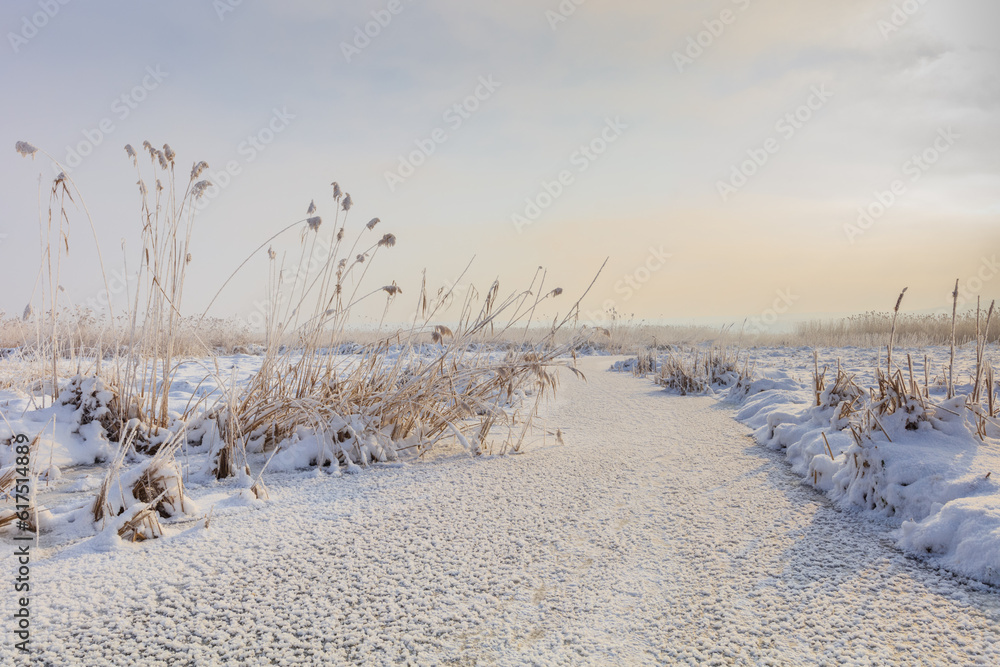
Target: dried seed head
(163,159)
(442,330)
(556,292)
(187,259)
(60,178)
(315,222)
(900,299)
(169,152)
(271,254)
(371,223)
(199,188)
(312,207)
(342,264)
(340,234)
(25,149)
(149,147)
(347,203)
(393,289)
(142,187)
(360,259)
(159,186)
(198,168)
(336,190)
(28,311)
(130,151)
(388,240)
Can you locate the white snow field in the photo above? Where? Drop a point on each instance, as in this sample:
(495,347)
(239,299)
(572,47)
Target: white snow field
(658,534)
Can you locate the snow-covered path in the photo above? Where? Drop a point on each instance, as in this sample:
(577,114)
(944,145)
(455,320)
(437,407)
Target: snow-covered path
(658,534)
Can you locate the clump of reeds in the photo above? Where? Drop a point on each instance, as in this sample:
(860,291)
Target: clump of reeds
(843,394)
(167,211)
(143,342)
(681,375)
(898,398)
(718,366)
(984,387)
(54,240)
(645,363)
(155,482)
(8,518)
(142,525)
(376,405)
(893,394)
(367,408)
(25,518)
(95,400)
(387,398)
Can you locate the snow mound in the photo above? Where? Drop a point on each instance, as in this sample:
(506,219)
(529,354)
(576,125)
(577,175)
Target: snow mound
(921,466)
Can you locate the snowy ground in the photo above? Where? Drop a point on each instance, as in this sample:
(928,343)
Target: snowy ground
(660,533)
(927,471)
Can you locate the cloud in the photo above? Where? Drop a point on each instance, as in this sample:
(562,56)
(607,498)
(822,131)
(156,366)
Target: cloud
(687,130)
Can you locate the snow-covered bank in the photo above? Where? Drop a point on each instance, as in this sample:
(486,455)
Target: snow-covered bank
(93,430)
(657,534)
(920,466)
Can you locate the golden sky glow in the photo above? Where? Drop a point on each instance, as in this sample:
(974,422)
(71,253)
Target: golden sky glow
(832,151)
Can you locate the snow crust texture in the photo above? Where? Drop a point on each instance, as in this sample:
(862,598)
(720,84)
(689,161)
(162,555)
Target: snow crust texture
(926,472)
(659,533)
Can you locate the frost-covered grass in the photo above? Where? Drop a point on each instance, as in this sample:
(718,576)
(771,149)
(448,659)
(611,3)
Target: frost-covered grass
(906,447)
(94,473)
(233,420)
(140,428)
(83,333)
(652,535)
(127,413)
(917,458)
(913,437)
(700,370)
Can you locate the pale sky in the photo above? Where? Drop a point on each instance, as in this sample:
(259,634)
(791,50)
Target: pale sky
(732,143)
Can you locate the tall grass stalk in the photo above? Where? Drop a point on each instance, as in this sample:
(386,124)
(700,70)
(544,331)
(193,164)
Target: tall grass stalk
(951,364)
